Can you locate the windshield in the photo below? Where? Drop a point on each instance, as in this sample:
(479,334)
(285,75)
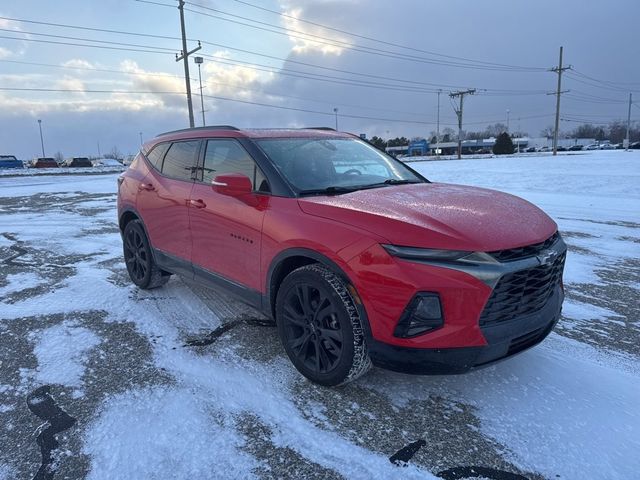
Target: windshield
(334,165)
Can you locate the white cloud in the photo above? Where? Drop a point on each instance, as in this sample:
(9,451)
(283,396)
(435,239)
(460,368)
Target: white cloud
(78,63)
(331,43)
(20,46)
(70,83)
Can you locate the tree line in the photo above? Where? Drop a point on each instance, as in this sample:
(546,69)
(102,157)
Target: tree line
(615,132)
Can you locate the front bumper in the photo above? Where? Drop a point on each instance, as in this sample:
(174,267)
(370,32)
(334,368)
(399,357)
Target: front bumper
(504,340)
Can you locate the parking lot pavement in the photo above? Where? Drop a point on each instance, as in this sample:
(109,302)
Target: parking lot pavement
(101,380)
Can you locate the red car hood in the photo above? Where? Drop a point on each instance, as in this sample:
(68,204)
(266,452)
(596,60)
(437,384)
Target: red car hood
(438,215)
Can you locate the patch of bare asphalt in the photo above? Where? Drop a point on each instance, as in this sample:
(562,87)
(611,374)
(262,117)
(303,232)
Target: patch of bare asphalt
(50,268)
(47,202)
(618,223)
(450,429)
(122,361)
(617,293)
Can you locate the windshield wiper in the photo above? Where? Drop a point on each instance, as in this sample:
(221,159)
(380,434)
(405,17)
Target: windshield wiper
(333,190)
(395,181)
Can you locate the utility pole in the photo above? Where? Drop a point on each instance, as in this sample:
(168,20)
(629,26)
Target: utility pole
(41,138)
(508,112)
(184,55)
(140,138)
(559,69)
(335,110)
(438,126)
(199,61)
(461,94)
(628,139)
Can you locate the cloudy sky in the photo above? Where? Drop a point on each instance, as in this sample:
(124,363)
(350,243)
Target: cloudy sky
(101,74)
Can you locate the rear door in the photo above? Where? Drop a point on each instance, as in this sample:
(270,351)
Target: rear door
(164,194)
(227,231)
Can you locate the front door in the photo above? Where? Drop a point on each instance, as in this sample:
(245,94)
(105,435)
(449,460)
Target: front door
(227,231)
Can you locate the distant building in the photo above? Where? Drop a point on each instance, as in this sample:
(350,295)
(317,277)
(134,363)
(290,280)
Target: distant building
(418,148)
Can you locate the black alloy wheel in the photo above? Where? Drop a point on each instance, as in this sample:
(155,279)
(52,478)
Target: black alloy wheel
(313,328)
(320,327)
(141,266)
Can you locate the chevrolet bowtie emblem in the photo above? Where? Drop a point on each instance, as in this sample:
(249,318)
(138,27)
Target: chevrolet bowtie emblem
(547,257)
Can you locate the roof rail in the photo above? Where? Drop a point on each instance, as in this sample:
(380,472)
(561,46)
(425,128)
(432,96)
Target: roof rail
(197,129)
(319,128)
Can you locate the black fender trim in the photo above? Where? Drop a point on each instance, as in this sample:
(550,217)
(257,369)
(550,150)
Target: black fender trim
(268,301)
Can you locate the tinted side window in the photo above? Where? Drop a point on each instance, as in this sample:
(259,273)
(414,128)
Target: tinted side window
(156,155)
(228,156)
(180,160)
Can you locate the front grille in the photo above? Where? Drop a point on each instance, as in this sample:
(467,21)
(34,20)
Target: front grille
(522,292)
(524,252)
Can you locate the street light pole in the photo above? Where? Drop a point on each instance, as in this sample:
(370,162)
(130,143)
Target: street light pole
(199,61)
(140,138)
(335,110)
(508,120)
(438,126)
(41,138)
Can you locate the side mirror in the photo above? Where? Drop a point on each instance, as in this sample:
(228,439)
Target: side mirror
(232,184)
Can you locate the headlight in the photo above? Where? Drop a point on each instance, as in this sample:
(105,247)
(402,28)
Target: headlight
(413,253)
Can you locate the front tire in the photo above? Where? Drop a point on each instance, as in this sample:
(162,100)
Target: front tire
(320,326)
(141,266)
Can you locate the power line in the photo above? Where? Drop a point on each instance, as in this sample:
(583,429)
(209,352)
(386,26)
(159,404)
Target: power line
(419,85)
(72,44)
(368,50)
(263,92)
(247,102)
(383,42)
(91,69)
(344,45)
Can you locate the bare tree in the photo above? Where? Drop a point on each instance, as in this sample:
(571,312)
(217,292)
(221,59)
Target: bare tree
(547,132)
(114,153)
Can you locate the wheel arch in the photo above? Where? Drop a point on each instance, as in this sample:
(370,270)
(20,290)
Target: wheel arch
(127,215)
(289,260)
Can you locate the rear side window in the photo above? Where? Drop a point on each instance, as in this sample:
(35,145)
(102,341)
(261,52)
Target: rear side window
(228,156)
(180,159)
(156,155)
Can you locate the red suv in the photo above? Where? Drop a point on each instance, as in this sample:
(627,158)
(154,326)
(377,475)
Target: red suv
(357,257)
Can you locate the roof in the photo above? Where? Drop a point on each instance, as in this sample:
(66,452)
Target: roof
(234,132)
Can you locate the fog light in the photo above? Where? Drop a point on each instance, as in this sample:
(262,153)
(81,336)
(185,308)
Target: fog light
(422,315)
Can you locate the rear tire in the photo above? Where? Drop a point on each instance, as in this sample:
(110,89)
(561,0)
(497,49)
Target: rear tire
(320,326)
(141,266)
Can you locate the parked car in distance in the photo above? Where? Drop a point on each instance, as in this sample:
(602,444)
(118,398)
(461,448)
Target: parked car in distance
(635,146)
(44,162)
(78,162)
(358,258)
(106,162)
(592,146)
(560,148)
(10,161)
(544,149)
(606,146)
(575,148)
(530,149)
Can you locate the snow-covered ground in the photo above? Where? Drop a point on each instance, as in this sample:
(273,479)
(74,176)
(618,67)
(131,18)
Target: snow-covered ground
(150,404)
(33,172)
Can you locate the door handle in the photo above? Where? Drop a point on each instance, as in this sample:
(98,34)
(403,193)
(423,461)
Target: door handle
(146,186)
(197,203)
